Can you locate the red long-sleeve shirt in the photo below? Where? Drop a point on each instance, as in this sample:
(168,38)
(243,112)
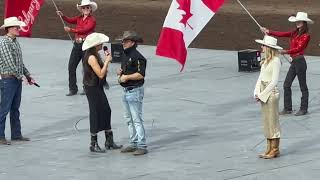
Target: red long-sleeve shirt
(297,43)
(83,27)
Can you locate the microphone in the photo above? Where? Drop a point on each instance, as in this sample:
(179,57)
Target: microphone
(36,84)
(106,51)
(32,82)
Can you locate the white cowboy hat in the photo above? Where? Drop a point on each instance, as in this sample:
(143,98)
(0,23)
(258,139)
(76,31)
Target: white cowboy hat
(269,41)
(94,6)
(12,21)
(301,16)
(94,39)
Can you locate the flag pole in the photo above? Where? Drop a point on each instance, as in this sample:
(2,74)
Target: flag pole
(257,24)
(289,60)
(249,14)
(64,24)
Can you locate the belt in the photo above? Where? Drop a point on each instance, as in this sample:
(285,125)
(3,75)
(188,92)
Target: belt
(130,88)
(79,40)
(297,57)
(7,76)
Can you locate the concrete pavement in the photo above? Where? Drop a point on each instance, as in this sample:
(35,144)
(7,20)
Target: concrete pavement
(201,124)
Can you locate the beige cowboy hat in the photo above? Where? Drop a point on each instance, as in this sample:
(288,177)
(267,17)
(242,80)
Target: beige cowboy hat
(301,16)
(12,21)
(269,41)
(94,6)
(131,35)
(94,39)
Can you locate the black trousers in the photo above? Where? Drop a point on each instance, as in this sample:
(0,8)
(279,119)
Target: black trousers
(75,57)
(298,68)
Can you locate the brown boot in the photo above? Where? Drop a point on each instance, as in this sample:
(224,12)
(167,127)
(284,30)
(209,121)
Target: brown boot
(275,152)
(268,149)
(140,152)
(21,138)
(129,149)
(4,141)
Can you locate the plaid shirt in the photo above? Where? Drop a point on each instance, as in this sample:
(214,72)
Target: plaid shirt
(11,62)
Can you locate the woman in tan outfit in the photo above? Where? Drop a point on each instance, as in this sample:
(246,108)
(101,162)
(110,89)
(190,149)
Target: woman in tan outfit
(267,93)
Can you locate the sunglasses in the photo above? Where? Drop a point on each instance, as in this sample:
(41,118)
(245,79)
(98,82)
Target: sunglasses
(85,7)
(15,27)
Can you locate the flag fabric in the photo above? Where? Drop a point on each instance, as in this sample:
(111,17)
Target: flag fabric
(184,21)
(24,10)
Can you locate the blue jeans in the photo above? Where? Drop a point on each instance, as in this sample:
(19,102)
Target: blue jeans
(132,101)
(10,89)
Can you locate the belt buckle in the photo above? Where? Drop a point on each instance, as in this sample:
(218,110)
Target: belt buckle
(128,88)
(79,40)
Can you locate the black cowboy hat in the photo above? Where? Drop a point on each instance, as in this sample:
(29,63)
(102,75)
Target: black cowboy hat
(131,35)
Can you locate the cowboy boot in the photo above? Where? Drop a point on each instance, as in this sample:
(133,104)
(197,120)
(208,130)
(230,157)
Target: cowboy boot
(94,146)
(268,149)
(275,152)
(109,144)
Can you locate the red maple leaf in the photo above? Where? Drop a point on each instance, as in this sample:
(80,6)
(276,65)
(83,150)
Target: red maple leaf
(185,5)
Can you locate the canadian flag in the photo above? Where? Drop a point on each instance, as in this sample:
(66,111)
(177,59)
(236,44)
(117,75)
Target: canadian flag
(24,10)
(184,21)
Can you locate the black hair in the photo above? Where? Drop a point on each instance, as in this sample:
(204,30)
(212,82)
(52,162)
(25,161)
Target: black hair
(6,29)
(91,51)
(135,44)
(303,30)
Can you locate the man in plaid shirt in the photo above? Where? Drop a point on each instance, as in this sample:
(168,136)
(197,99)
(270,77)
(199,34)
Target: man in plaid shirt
(12,70)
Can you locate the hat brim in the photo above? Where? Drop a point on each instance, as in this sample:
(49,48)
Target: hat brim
(133,38)
(87,45)
(17,23)
(94,6)
(294,19)
(272,46)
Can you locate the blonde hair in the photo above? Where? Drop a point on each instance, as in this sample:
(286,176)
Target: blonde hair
(269,55)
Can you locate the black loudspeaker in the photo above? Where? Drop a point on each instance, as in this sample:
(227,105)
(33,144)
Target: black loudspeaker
(249,60)
(117,52)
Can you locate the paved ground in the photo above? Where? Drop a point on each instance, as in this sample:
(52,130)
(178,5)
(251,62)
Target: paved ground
(230,29)
(201,123)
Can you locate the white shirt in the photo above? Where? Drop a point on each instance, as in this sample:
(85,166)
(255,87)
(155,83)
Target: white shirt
(269,73)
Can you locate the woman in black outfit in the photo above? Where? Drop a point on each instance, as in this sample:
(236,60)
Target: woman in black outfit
(94,74)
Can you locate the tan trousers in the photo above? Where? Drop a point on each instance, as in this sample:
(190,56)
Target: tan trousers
(270,113)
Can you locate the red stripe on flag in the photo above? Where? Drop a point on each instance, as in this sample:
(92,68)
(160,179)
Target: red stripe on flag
(25,11)
(214,5)
(171,44)
(6,8)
